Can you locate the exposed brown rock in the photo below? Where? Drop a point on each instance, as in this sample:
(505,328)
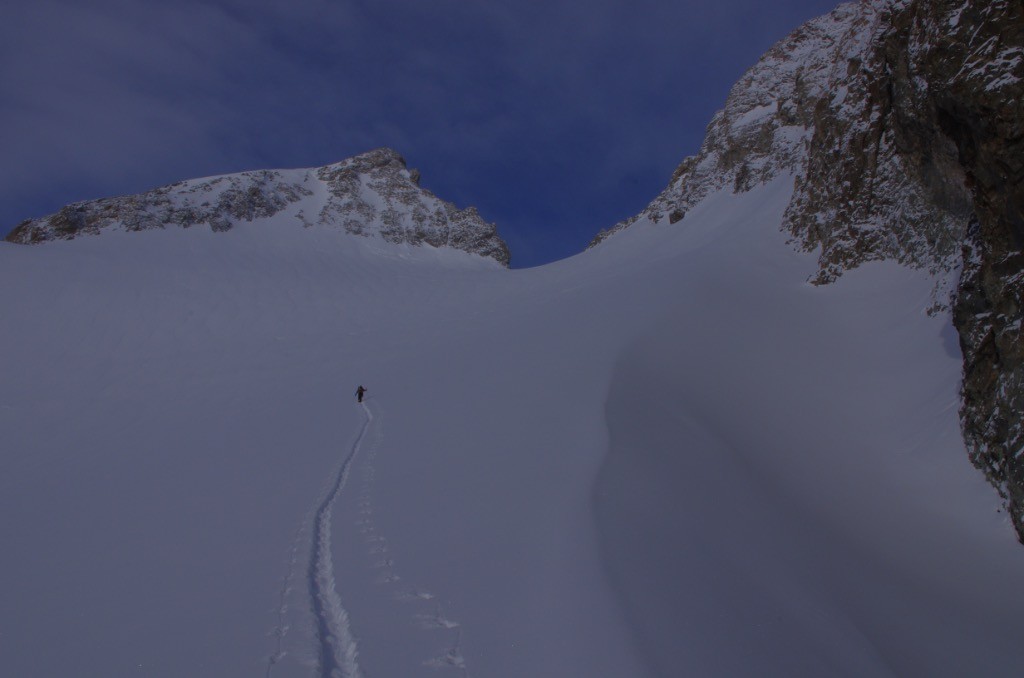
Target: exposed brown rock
(370,194)
(902,125)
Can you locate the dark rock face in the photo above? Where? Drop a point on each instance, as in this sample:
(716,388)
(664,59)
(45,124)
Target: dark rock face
(940,149)
(372,194)
(882,181)
(979,99)
(901,124)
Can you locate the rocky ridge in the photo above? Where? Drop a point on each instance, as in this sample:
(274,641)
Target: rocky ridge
(372,194)
(819,106)
(902,126)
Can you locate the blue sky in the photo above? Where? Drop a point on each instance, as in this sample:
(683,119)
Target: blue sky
(555,118)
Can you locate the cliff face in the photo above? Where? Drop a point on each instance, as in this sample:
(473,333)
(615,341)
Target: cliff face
(979,99)
(901,124)
(882,180)
(373,194)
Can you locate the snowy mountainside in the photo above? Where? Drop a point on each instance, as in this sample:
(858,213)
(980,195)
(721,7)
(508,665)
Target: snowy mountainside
(823,104)
(669,455)
(765,125)
(372,194)
(900,121)
(559,471)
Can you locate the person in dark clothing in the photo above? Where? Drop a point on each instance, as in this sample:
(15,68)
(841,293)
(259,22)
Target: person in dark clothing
(359,393)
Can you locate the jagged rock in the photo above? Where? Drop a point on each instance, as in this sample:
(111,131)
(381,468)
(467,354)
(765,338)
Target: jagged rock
(373,194)
(901,124)
(837,106)
(976,55)
(766,124)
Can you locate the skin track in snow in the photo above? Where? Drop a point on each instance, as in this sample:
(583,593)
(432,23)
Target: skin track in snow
(338,647)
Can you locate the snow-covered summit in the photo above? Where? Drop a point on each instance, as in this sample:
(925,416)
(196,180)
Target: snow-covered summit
(372,194)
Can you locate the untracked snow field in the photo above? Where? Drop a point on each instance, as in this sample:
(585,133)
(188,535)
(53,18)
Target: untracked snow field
(667,456)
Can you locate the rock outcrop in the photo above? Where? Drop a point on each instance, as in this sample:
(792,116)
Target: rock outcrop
(976,63)
(901,124)
(373,194)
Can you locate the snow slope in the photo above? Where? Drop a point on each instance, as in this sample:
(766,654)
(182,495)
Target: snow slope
(665,456)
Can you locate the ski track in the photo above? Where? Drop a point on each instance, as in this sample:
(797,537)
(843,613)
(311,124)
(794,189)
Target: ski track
(336,645)
(338,649)
(432,616)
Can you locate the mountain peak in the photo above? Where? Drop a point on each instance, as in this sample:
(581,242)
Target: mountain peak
(378,157)
(371,194)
